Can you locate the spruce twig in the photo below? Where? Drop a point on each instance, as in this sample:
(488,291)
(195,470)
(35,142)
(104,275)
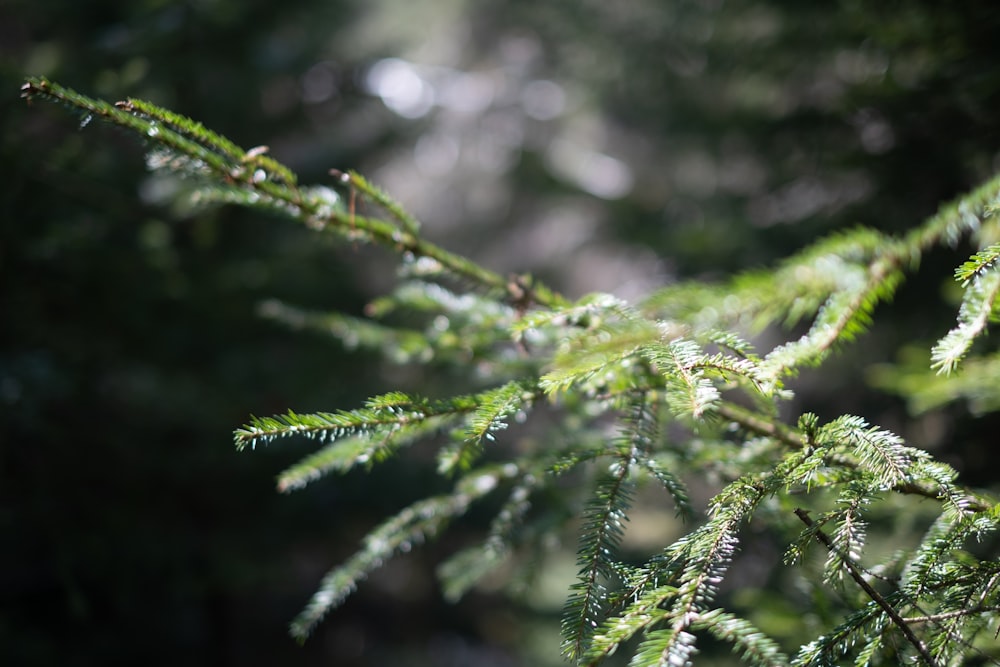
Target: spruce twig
(852,570)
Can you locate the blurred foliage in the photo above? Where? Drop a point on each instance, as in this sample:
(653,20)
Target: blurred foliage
(601,146)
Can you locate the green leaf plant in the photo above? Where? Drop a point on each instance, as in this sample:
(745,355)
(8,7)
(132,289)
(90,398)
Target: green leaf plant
(666,398)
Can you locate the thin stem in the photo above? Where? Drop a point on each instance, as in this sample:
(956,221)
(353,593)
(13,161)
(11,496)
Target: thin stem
(762,425)
(359,183)
(935,618)
(772,428)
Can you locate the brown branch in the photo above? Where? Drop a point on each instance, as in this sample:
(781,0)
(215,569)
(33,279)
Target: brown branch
(767,426)
(772,428)
(852,569)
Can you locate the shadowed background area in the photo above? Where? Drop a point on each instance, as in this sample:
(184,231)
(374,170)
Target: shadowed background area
(601,146)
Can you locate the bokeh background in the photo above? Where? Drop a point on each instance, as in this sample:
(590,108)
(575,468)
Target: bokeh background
(600,145)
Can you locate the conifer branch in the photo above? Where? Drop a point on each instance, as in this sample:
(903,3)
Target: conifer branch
(871,592)
(955,219)
(601,534)
(948,615)
(493,409)
(754,646)
(398,344)
(842,317)
(592,353)
(357,181)
(414,525)
(976,311)
(358,450)
(761,424)
(983,261)
(703,556)
(465,569)
(670,365)
(682,363)
(227,162)
(392,410)
(183,125)
(937,488)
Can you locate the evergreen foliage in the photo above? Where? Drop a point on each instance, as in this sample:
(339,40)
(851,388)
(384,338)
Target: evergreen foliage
(621,398)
